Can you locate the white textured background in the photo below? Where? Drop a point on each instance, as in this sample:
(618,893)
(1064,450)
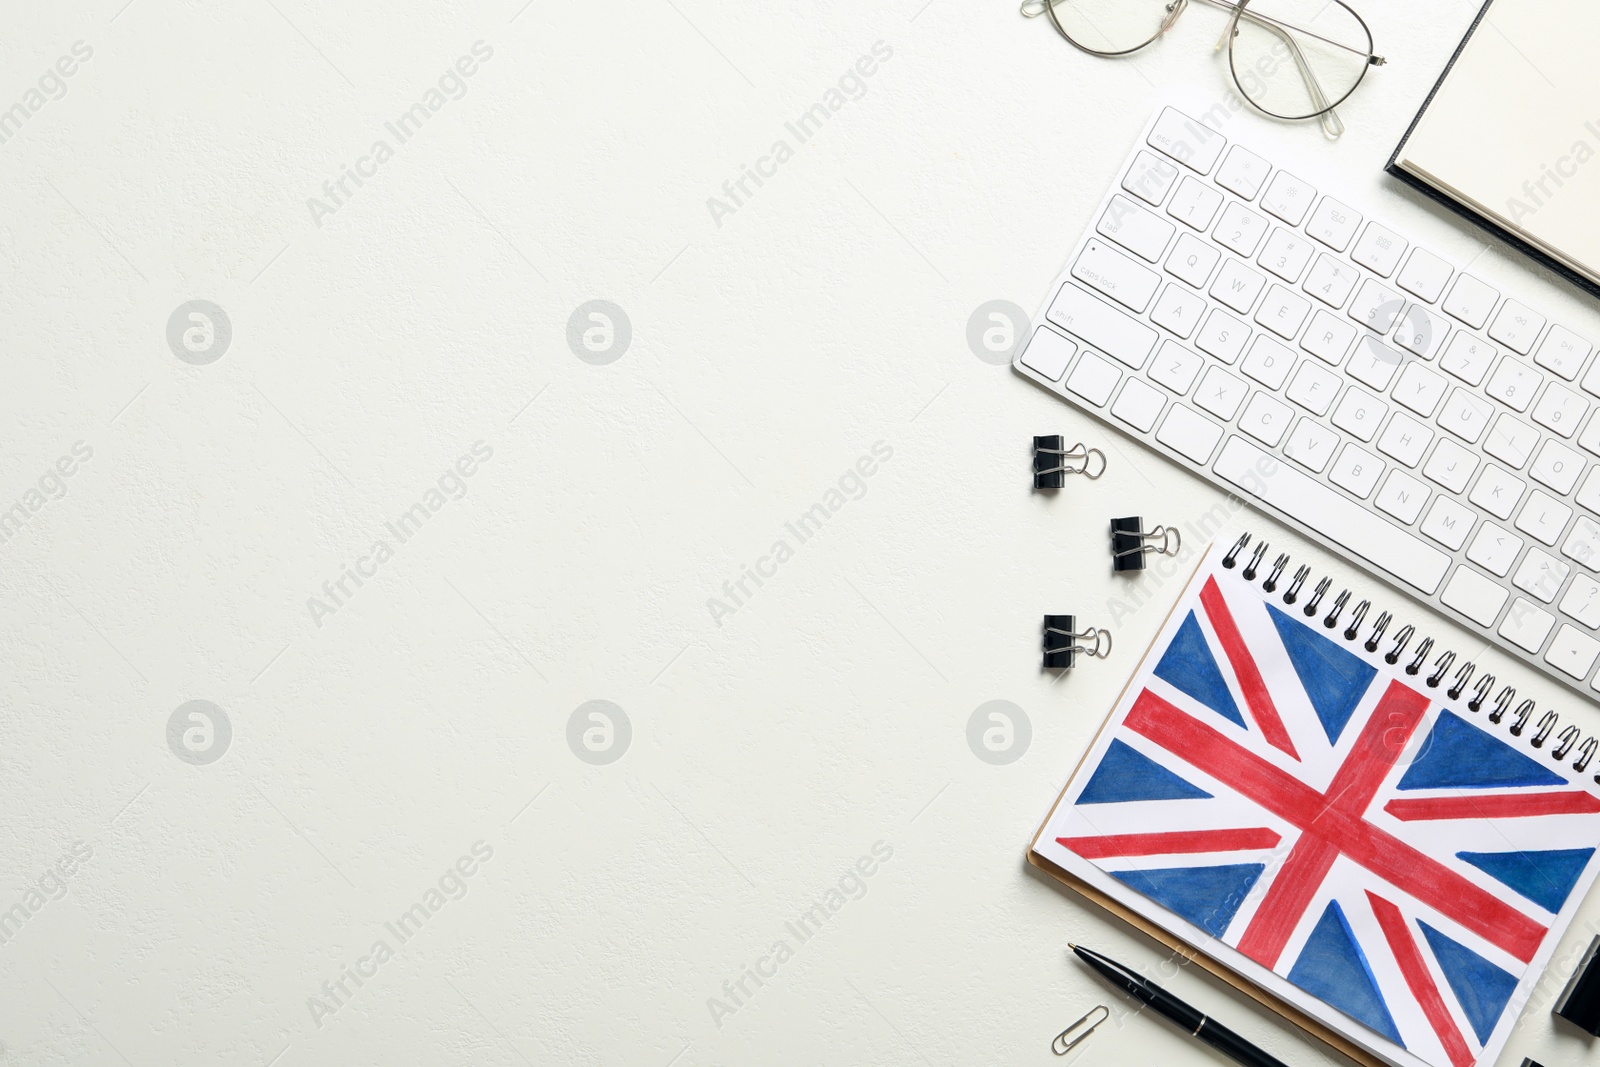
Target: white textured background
(430,711)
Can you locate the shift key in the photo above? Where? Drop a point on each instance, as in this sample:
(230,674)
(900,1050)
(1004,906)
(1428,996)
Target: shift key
(1116,275)
(1101,326)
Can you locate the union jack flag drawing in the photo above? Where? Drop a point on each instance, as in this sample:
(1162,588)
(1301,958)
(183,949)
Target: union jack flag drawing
(1383,851)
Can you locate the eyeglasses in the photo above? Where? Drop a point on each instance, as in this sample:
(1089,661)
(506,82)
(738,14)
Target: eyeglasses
(1291,59)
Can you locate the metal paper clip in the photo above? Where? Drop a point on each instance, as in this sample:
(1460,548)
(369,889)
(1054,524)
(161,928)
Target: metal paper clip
(1066,1040)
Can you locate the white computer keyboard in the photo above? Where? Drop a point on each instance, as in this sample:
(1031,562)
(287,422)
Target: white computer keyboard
(1283,344)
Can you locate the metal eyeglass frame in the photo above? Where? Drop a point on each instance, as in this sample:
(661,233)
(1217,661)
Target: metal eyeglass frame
(1331,123)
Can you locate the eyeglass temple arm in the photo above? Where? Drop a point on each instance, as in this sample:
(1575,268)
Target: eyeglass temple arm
(1332,125)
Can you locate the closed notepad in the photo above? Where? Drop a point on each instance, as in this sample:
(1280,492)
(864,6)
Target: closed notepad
(1352,836)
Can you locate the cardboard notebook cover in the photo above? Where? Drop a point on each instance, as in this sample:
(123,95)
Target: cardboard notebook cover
(1188,951)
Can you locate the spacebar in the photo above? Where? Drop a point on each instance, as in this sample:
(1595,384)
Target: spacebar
(1308,501)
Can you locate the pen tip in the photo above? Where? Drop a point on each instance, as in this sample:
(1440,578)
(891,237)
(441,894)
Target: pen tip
(1072,946)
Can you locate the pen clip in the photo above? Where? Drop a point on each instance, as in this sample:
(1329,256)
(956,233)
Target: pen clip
(1066,1039)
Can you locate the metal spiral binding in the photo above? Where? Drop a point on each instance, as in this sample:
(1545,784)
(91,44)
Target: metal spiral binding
(1233,553)
(1378,627)
(1400,641)
(1271,584)
(1355,620)
(1316,596)
(1250,568)
(1585,754)
(1300,575)
(1338,608)
(1440,666)
(1463,676)
(1564,742)
(1524,709)
(1547,722)
(1502,702)
(1422,655)
(1481,694)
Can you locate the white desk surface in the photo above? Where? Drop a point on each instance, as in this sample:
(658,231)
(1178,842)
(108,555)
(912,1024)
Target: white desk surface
(374,744)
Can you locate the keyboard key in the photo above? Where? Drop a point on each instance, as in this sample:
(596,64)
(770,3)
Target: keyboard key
(1268,362)
(1476,597)
(1134,228)
(1494,549)
(1265,419)
(1311,445)
(1572,652)
(1590,438)
(1115,275)
(1516,327)
(1333,224)
(1149,178)
(1328,338)
(1337,518)
(1405,439)
(1379,250)
(1186,140)
(1373,363)
(1357,470)
(1314,387)
(1048,353)
(1420,331)
(1583,544)
(1526,626)
(1470,301)
(1514,384)
(1285,254)
(1139,405)
(1223,336)
(1582,601)
(1402,496)
(1497,491)
(1359,413)
(1424,275)
(1450,465)
(1465,415)
(1102,326)
(1591,380)
(1562,352)
(1178,310)
(1221,393)
(1175,367)
(1560,410)
(1240,229)
(1543,517)
(1195,204)
(1242,172)
(1541,575)
(1282,312)
(1467,357)
(1189,433)
(1093,379)
(1420,389)
(1448,523)
(1331,281)
(1288,197)
(1511,441)
(1376,307)
(1192,260)
(1557,467)
(1237,285)
(1589,495)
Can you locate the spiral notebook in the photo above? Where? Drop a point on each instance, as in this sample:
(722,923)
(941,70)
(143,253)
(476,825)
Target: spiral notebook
(1379,837)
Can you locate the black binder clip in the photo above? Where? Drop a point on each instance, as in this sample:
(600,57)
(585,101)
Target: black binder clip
(1053,461)
(1580,1001)
(1060,642)
(1129,543)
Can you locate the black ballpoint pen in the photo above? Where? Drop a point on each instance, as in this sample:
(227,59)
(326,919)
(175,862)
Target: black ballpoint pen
(1184,1016)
